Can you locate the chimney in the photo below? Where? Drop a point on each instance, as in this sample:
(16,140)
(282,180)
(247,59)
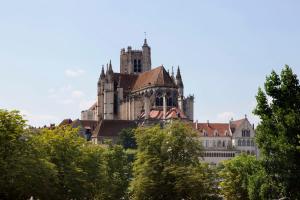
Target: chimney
(207,123)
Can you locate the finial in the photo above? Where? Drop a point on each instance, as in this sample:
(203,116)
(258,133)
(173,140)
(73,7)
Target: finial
(245,116)
(172,72)
(145,40)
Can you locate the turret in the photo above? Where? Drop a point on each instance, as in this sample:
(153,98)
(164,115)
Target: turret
(179,84)
(100,95)
(146,56)
(109,93)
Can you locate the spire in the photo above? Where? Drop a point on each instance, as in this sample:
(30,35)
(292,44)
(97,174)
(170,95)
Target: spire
(102,72)
(178,75)
(172,72)
(178,78)
(110,67)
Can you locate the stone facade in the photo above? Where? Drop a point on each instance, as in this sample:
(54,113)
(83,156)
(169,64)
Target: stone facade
(138,89)
(140,95)
(222,141)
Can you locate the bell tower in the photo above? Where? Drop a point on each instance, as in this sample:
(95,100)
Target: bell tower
(135,61)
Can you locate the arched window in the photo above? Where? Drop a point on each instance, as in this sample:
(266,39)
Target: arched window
(239,142)
(139,66)
(223,144)
(226,133)
(216,133)
(159,101)
(135,65)
(248,142)
(219,143)
(244,143)
(170,101)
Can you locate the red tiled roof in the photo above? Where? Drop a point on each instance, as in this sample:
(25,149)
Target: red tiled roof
(125,81)
(221,128)
(210,129)
(173,113)
(155,77)
(112,128)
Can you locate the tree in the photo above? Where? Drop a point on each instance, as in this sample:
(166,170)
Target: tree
(24,171)
(127,139)
(235,176)
(118,169)
(278,107)
(167,165)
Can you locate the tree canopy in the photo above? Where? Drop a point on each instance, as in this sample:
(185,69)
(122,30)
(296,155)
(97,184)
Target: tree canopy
(278,107)
(168,167)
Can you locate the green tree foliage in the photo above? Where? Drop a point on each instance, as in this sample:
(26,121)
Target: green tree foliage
(57,164)
(168,167)
(235,176)
(127,139)
(24,171)
(278,107)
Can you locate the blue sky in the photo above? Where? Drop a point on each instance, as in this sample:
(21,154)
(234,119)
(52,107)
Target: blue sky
(51,52)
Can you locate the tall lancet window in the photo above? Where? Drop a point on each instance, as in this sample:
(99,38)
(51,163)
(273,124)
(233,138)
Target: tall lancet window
(137,65)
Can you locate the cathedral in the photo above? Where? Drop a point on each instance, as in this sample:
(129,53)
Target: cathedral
(140,95)
(139,92)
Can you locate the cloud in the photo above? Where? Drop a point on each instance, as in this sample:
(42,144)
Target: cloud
(225,116)
(74,72)
(77,94)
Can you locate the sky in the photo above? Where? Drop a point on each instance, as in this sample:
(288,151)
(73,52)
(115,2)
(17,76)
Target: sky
(51,51)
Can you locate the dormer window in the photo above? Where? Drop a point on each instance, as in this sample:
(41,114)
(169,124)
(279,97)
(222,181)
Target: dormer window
(216,133)
(226,133)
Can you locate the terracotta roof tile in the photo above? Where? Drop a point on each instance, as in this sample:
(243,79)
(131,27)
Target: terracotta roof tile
(112,128)
(210,128)
(173,113)
(155,77)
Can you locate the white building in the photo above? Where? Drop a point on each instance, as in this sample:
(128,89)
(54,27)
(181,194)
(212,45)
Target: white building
(222,141)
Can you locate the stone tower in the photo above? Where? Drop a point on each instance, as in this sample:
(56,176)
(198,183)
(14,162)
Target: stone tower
(135,61)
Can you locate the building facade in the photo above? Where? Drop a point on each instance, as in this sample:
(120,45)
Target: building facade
(140,94)
(138,90)
(222,141)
